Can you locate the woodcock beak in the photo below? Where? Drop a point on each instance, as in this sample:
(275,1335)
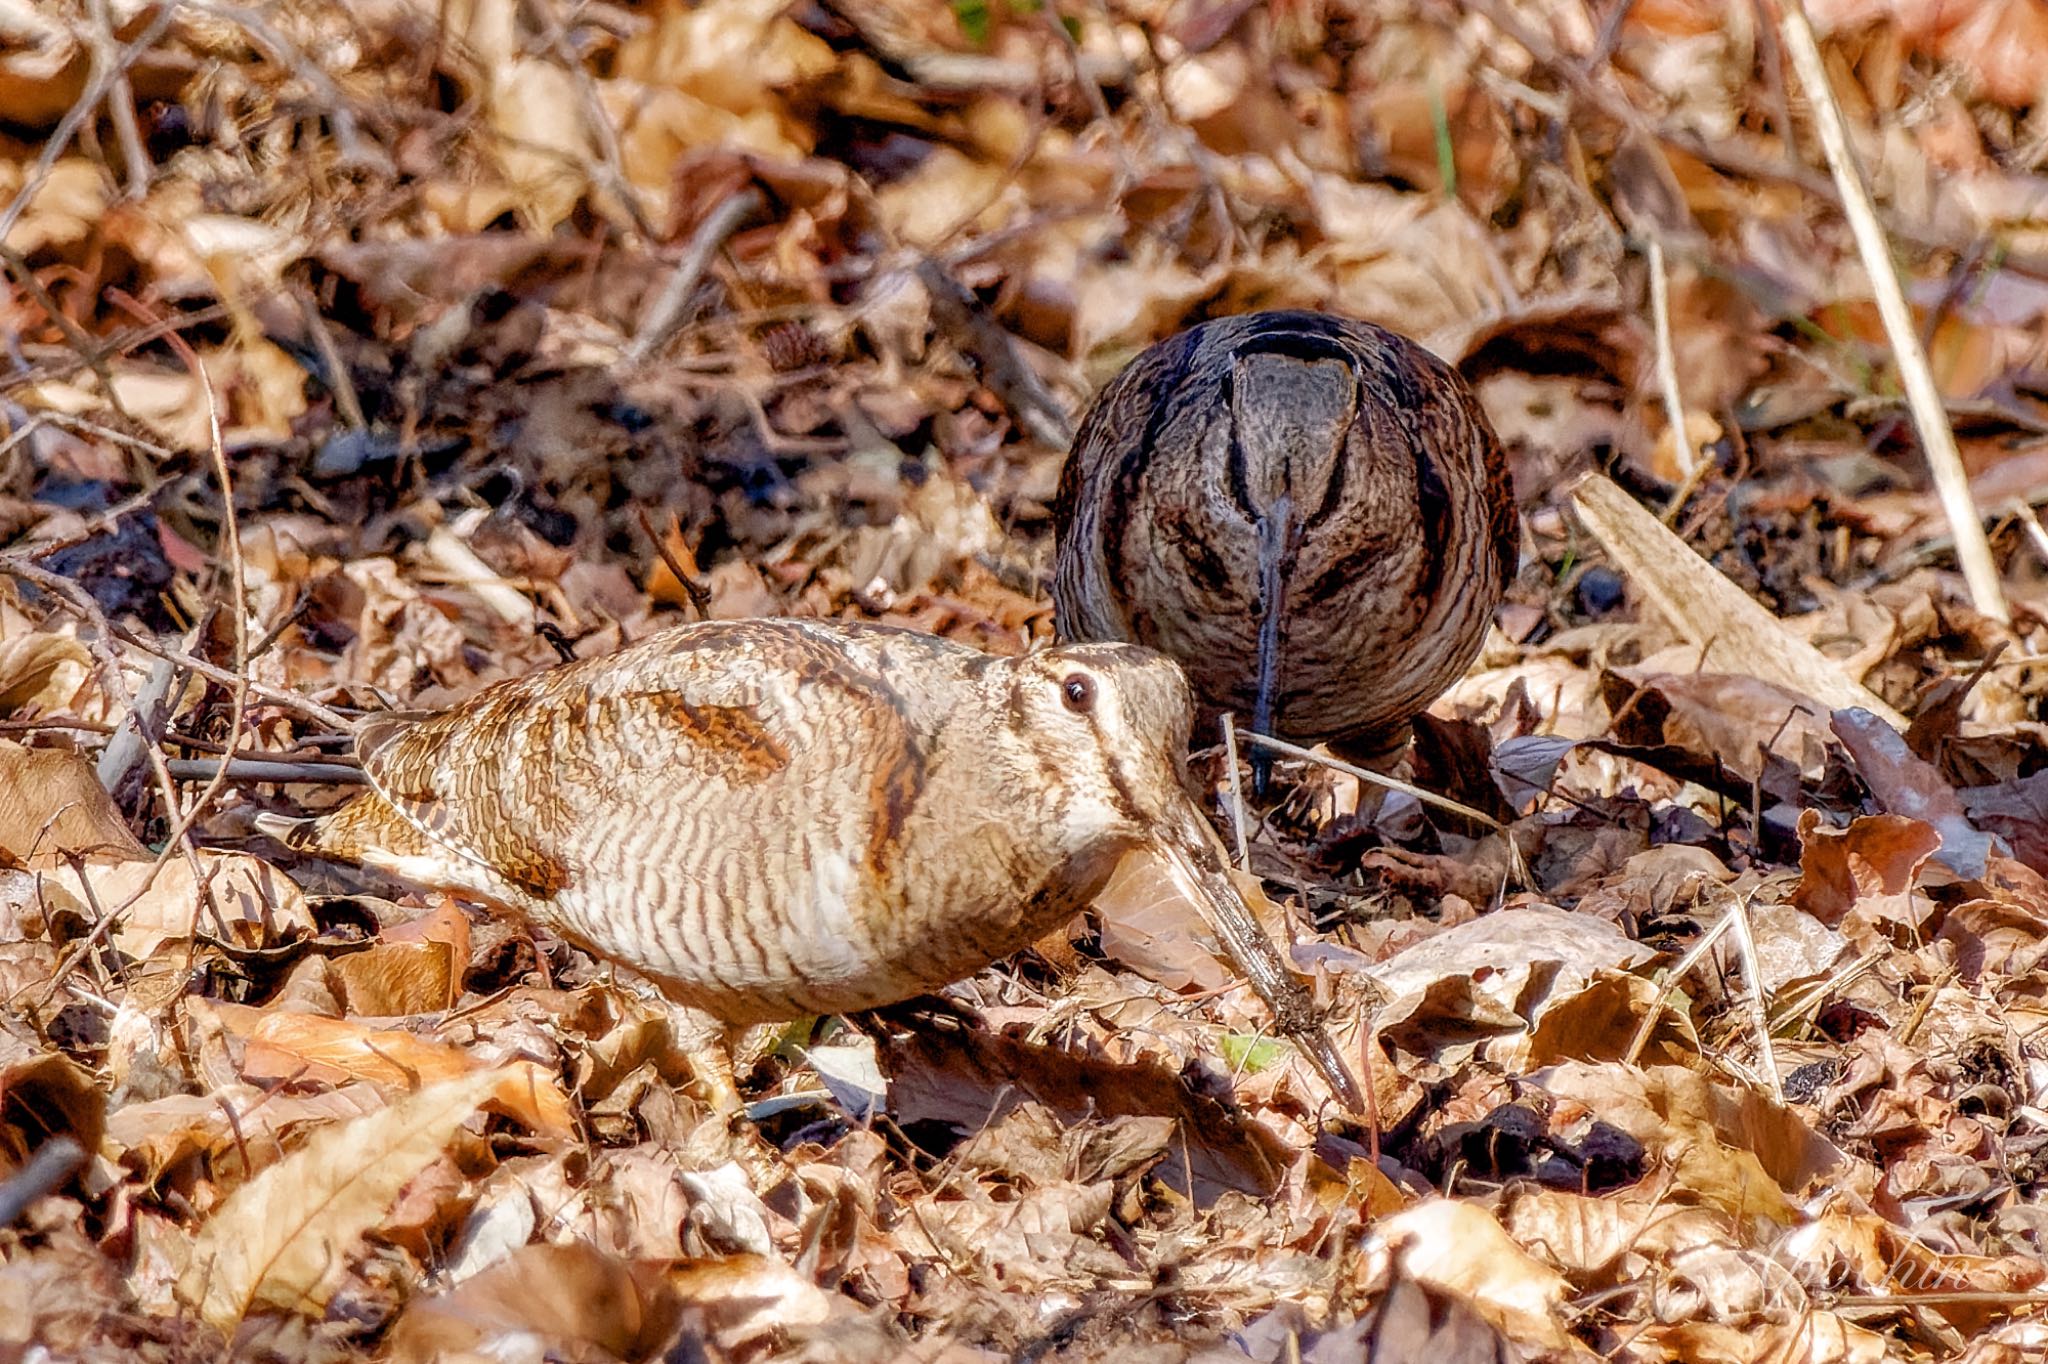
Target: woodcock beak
(1195,861)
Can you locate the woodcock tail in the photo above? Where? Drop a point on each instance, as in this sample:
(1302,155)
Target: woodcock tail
(773,818)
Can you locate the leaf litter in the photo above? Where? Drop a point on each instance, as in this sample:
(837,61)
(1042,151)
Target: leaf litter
(531,328)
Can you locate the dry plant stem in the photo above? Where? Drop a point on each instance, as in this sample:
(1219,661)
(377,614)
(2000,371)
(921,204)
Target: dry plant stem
(106,48)
(1677,973)
(698,593)
(666,316)
(1752,970)
(339,384)
(1237,821)
(46,1171)
(289,700)
(2035,531)
(231,531)
(248,770)
(1930,418)
(141,336)
(107,67)
(612,159)
(1667,361)
(18,266)
(996,354)
(1281,746)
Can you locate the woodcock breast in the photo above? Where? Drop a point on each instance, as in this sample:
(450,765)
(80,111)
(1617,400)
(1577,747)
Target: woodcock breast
(1312,515)
(773,818)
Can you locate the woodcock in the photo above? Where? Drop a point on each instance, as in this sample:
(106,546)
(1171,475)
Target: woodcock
(772,818)
(1312,515)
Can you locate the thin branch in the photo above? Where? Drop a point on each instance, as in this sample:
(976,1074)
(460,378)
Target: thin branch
(121,99)
(247,770)
(107,68)
(1923,397)
(666,317)
(1480,817)
(1667,361)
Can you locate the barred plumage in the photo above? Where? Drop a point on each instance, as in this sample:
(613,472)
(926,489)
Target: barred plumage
(771,818)
(1312,515)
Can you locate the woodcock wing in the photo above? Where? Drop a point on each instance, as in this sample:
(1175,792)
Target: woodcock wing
(773,818)
(1311,515)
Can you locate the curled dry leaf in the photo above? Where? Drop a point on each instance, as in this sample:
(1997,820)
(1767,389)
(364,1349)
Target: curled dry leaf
(245,901)
(1728,1148)
(300,1047)
(52,803)
(1498,977)
(40,671)
(44,1094)
(1460,1250)
(1870,870)
(282,1240)
(972,1080)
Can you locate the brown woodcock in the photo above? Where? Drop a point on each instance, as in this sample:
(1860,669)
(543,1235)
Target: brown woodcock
(773,818)
(1312,515)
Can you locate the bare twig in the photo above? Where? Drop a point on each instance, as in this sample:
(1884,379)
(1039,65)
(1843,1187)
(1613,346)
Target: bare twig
(1480,817)
(667,314)
(339,383)
(1923,397)
(1667,360)
(231,534)
(1244,857)
(996,354)
(106,48)
(263,770)
(698,592)
(18,266)
(107,68)
(612,161)
(54,1162)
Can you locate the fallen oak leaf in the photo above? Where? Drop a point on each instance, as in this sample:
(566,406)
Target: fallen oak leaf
(278,1045)
(281,1240)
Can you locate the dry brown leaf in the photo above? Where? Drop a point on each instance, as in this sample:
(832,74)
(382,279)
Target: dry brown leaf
(41,671)
(1727,1148)
(247,902)
(52,803)
(1870,869)
(1459,1249)
(281,1240)
(300,1047)
(44,1094)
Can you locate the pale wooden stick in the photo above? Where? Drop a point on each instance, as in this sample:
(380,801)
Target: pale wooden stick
(1732,630)
(1667,363)
(1923,399)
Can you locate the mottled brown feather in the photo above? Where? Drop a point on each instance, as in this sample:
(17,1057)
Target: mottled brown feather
(1333,466)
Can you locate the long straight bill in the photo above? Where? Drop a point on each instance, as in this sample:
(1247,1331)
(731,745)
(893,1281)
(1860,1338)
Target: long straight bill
(1196,865)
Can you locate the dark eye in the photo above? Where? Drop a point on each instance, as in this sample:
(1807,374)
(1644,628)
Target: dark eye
(1078,693)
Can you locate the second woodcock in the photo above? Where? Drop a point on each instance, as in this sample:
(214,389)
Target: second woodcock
(775,818)
(1312,515)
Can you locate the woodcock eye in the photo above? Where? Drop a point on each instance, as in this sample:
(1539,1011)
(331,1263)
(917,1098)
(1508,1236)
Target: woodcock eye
(1078,693)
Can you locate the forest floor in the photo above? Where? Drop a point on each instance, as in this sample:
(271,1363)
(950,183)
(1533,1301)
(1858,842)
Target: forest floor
(510,328)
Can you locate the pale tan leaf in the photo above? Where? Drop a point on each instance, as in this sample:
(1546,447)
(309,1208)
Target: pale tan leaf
(52,803)
(280,1240)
